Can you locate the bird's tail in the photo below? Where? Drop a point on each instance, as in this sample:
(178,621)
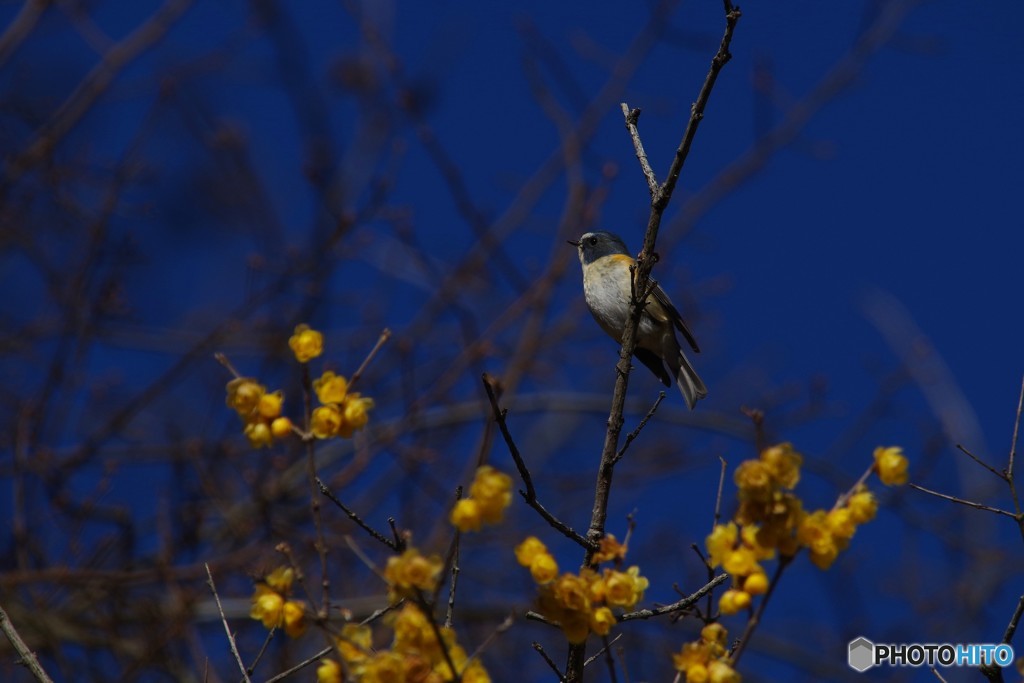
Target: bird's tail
(690,384)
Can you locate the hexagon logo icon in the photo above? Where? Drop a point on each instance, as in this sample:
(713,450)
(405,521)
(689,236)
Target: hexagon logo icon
(862,654)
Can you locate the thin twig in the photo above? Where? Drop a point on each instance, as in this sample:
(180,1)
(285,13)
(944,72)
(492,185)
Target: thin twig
(452,561)
(259,655)
(356,518)
(28,658)
(961,501)
(972,456)
(301,665)
(384,336)
(755,618)
(636,432)
(227,629)
(223,360)
(938,675)
(718,496)
(554,667)
(530,494)
(609,659)
(378,613)
(314,500)
(678,605)
(399,538)
(502,627)
(632,116)
(1014,620)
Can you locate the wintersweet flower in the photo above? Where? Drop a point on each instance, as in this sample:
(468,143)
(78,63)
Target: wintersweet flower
(411,571)
(329,671)
(259,434)
(543,568)
(306,343)
(756,584)
(356,411)
(783,463)
(601,621)
(624,589)
(529,549)
(325,421)
(269,405)
(891,465)
(862,505)
(355,643)
(244,394)
(733,600)
(465,516)
(281,427)
(610,550)
(330,388)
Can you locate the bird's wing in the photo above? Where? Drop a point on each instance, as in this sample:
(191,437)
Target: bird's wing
(669,312)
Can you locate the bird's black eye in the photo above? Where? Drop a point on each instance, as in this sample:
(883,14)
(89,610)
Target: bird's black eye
(593,241)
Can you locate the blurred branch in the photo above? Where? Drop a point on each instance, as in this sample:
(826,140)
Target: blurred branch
(21,26)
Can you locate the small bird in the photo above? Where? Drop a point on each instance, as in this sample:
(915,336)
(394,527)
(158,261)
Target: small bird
(606,288)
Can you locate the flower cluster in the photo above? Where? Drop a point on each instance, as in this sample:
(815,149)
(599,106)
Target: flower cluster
(489,495)
(581,603)
(707,660)
(415,656)
(411,572)
(342,413)
(270,603)
(259,410)
(771,519)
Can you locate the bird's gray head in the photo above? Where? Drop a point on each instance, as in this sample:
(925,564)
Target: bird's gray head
(594,245)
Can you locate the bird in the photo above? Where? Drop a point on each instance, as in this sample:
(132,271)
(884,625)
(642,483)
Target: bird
(607,279)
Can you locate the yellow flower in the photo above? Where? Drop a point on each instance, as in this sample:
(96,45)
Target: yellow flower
(601,621)
(814,535)
(756,583)
(475,673)
(624,589)
(721,541)
(267,606)
(269,405)
(690,656)
(294,618)
(783,463)
(572,593)
(244,395)
(465,516)
(840,523)
(741,561)
(732,601)
(543,569)
(575,626)
(330,388)
(306,343)
(329,671)
(610,550)
(356,411)
(413,632)
(281,579)
(722,672)
(754,480)
(698,673)
(863,505)
(259,434)
(529,549)
(891,465)
(714,633)
(750,534)
(281,427)
(354,643)
(326,421)
(384,667)
(493,492)
(411,570)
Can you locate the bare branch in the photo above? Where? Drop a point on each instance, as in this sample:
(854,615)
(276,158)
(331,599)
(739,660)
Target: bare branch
(227,629)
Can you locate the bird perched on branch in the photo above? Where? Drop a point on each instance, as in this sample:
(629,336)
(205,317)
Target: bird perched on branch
(607,289)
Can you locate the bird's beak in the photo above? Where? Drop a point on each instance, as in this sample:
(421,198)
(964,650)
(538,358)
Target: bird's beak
(575,244)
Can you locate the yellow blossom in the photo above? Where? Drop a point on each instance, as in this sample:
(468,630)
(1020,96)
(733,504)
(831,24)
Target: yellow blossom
(259,434)
(528,549)
(492,490)
(411,570)
(698,673)
(543,569)
(722,672)
(355,410)
(863,506)
(721,541)
(784,464)
(325,422)
(756,583)
(269,405)
(244,395)
(624,589)
(610,550)
(601,621)
(754,480)
(281,427)
(572,593)
(741,561)
(281,579)
(749,534)
(840,523)
(354,643)
(814,535)
(714,633)
(330,388)
(475,673)
(891,465)
(465,516)
(294,614)
(732,601)
(267,606)
(691,655)
(413,632)
(384,667)
(329,671)
(306,343)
